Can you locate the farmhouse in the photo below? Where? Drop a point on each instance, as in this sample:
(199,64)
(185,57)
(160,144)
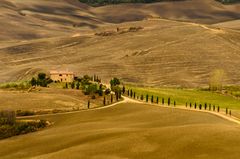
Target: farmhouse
(62,76)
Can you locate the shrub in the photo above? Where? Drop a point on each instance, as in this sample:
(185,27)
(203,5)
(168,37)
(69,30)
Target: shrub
(21,128)
(77,85)
(107,91)
(7,117)
(25,113)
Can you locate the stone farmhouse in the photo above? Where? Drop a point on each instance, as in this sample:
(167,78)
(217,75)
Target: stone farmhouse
(62,76)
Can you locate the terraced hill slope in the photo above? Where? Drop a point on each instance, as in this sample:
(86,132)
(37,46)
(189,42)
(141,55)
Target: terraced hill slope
(61,34)
(163,53)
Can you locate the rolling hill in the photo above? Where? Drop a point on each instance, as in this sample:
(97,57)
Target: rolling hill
(178,45)
(129,131)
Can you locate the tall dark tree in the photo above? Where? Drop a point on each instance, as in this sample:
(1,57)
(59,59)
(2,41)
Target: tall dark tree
(131,93)
(134,95)
(190,105)
(141,97)
(111,98)
(200,106)
(218,109)
(147,98)
(72,85)
(128,93)
(162,101)
(117,96)
(169,101)
(174,103)
(104,100)
(66,85)
(157,100)
(123,90)
(88,104)
(195,105)
(152,99)
(213,107)
(226,110)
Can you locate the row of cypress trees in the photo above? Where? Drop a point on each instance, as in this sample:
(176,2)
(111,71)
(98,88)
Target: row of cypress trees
(204,106)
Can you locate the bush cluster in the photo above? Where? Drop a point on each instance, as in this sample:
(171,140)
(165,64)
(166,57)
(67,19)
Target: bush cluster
(8,130)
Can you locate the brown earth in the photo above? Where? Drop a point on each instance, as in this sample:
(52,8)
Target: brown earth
(129,131)
(164,52)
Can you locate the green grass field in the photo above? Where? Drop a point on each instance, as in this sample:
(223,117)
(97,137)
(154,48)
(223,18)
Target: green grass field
(181,96)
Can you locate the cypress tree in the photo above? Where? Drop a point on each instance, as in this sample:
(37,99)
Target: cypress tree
(186,104)
(72,85)
(116,93)
(123,90)
(174,103)
(134,95)
(205,106)
(169,101)
(147,98)
(66,85)
(111,98)
(195,105)
(157,100)
(152,99)
(162,101)
(104,100)
(88,104)
(190,105)
(213,107)
(218,109)
(131,93)
(128,92)
(141,97)
(230,112)
(200,106)
(226,110)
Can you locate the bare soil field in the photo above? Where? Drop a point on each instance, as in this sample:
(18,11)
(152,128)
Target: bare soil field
(129,131)
(47,99)
(177,45)
(31,19)
(164,52)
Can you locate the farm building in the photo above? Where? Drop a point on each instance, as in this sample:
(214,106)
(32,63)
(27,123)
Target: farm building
(62,76)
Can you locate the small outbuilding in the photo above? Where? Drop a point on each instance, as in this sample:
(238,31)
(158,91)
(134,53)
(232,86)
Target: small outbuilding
(62,76)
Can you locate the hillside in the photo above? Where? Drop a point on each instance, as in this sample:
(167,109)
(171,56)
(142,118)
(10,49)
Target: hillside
(30,19)
(163,53)
(40,37)
(129,131)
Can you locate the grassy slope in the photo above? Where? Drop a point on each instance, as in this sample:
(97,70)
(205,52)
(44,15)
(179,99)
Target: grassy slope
(129,131)
(181,96)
